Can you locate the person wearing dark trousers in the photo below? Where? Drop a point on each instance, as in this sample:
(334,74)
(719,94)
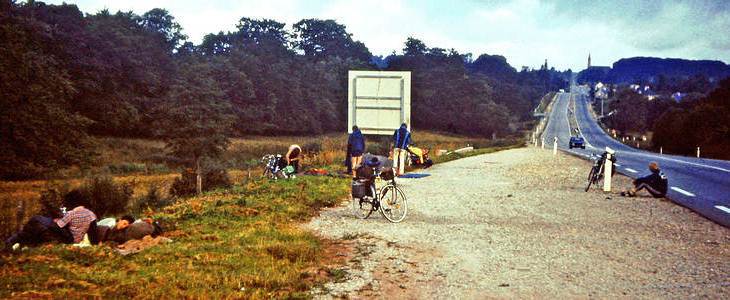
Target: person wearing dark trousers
(69,229)
(355,148)
(655,183)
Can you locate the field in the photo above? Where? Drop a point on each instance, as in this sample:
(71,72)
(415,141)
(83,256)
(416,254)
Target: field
(242,243)
(239,242)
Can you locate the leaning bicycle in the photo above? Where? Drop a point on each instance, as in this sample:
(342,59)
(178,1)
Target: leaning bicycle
(275,167)
(595,176)
(389,199)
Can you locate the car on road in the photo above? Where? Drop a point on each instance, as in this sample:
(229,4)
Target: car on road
(577,142)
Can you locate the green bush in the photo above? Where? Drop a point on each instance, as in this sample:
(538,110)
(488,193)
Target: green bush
(214,177)
(106,197)
(153,198)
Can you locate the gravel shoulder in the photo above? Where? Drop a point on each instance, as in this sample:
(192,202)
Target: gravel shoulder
(517,223)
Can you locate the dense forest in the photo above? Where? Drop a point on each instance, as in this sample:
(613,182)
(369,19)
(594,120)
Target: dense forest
(67,77)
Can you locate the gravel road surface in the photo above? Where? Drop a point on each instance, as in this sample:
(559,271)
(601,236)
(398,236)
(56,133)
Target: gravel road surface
(517,223)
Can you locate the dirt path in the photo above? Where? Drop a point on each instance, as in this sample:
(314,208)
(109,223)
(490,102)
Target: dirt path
(518,224)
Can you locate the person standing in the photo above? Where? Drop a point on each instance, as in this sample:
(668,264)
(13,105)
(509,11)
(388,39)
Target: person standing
(355,148)
(401,140)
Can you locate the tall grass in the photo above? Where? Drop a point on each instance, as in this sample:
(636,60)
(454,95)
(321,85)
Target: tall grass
(242,242)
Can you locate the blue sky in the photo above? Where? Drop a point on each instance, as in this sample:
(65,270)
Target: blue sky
(526,32)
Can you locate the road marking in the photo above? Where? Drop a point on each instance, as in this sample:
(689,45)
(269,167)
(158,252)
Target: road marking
(577,123)
(722,208)
(617,165)
(686,193)
(659,157)
(631,170)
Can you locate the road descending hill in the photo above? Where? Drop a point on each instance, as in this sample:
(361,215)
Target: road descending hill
(517,223)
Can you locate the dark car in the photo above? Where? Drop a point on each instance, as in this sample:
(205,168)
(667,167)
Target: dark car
(576,142)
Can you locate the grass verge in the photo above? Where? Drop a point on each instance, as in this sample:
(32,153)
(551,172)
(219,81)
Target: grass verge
(242,242)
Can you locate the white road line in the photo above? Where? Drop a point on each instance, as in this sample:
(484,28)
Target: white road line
(617,165)
(580,130)
(659,157)
(631,170)
(686,193)
(722,208)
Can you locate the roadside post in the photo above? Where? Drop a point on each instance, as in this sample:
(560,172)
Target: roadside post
(661,150)
(608,170)
(555,145)
(698,152)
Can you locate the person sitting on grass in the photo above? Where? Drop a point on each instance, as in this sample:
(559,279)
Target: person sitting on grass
(69,229)
(655,183)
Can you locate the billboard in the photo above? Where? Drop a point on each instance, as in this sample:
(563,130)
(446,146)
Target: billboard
(378,102)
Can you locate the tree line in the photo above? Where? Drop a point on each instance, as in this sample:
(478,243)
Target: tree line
(66,77)
(698,120)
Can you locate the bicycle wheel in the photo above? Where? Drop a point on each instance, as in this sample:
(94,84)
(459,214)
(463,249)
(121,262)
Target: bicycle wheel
(362,208)
(393,204)
(590,178)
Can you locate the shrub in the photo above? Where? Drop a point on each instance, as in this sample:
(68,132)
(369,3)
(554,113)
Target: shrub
(106,197)
(214,177)
(52,200)
(153,198)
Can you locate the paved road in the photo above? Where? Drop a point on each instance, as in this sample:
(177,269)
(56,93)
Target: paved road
(702,185)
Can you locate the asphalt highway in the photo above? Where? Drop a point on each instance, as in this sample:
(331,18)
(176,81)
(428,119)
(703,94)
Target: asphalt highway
(702,185)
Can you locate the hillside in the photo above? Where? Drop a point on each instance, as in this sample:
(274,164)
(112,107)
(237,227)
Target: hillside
(649,69)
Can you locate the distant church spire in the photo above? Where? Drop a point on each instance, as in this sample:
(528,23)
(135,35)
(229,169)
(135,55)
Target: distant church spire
(589,60)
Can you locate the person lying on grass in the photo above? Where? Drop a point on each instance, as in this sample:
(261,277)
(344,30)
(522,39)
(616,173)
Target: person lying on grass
(127,228)
(68,229)
(655,183)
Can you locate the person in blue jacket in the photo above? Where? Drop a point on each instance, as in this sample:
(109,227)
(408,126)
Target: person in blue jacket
(401,140)
(355,148)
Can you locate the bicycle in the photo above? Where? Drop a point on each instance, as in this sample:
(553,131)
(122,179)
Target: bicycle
(275,167)
(596,173)
(389,199)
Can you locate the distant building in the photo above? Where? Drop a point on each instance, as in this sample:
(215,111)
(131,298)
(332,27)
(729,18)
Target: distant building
(589,60)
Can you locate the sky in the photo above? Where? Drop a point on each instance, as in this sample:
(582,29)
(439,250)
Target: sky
(526,32)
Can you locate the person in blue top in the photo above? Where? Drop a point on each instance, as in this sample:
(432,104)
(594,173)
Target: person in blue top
(355,148)
(401,140)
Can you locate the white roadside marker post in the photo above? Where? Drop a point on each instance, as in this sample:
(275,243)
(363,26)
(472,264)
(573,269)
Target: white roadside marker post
(555,146)
(661,151)
(698,152)
(608,170)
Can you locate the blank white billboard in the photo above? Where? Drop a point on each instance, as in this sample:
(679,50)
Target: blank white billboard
(378,102)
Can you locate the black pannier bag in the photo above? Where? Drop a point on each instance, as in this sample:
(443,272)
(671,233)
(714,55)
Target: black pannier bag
(361,188)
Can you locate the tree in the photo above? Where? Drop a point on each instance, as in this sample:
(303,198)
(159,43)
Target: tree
(263,32)
(414,47)
(194,118)
(322,38)
(37,132)
(160,21)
